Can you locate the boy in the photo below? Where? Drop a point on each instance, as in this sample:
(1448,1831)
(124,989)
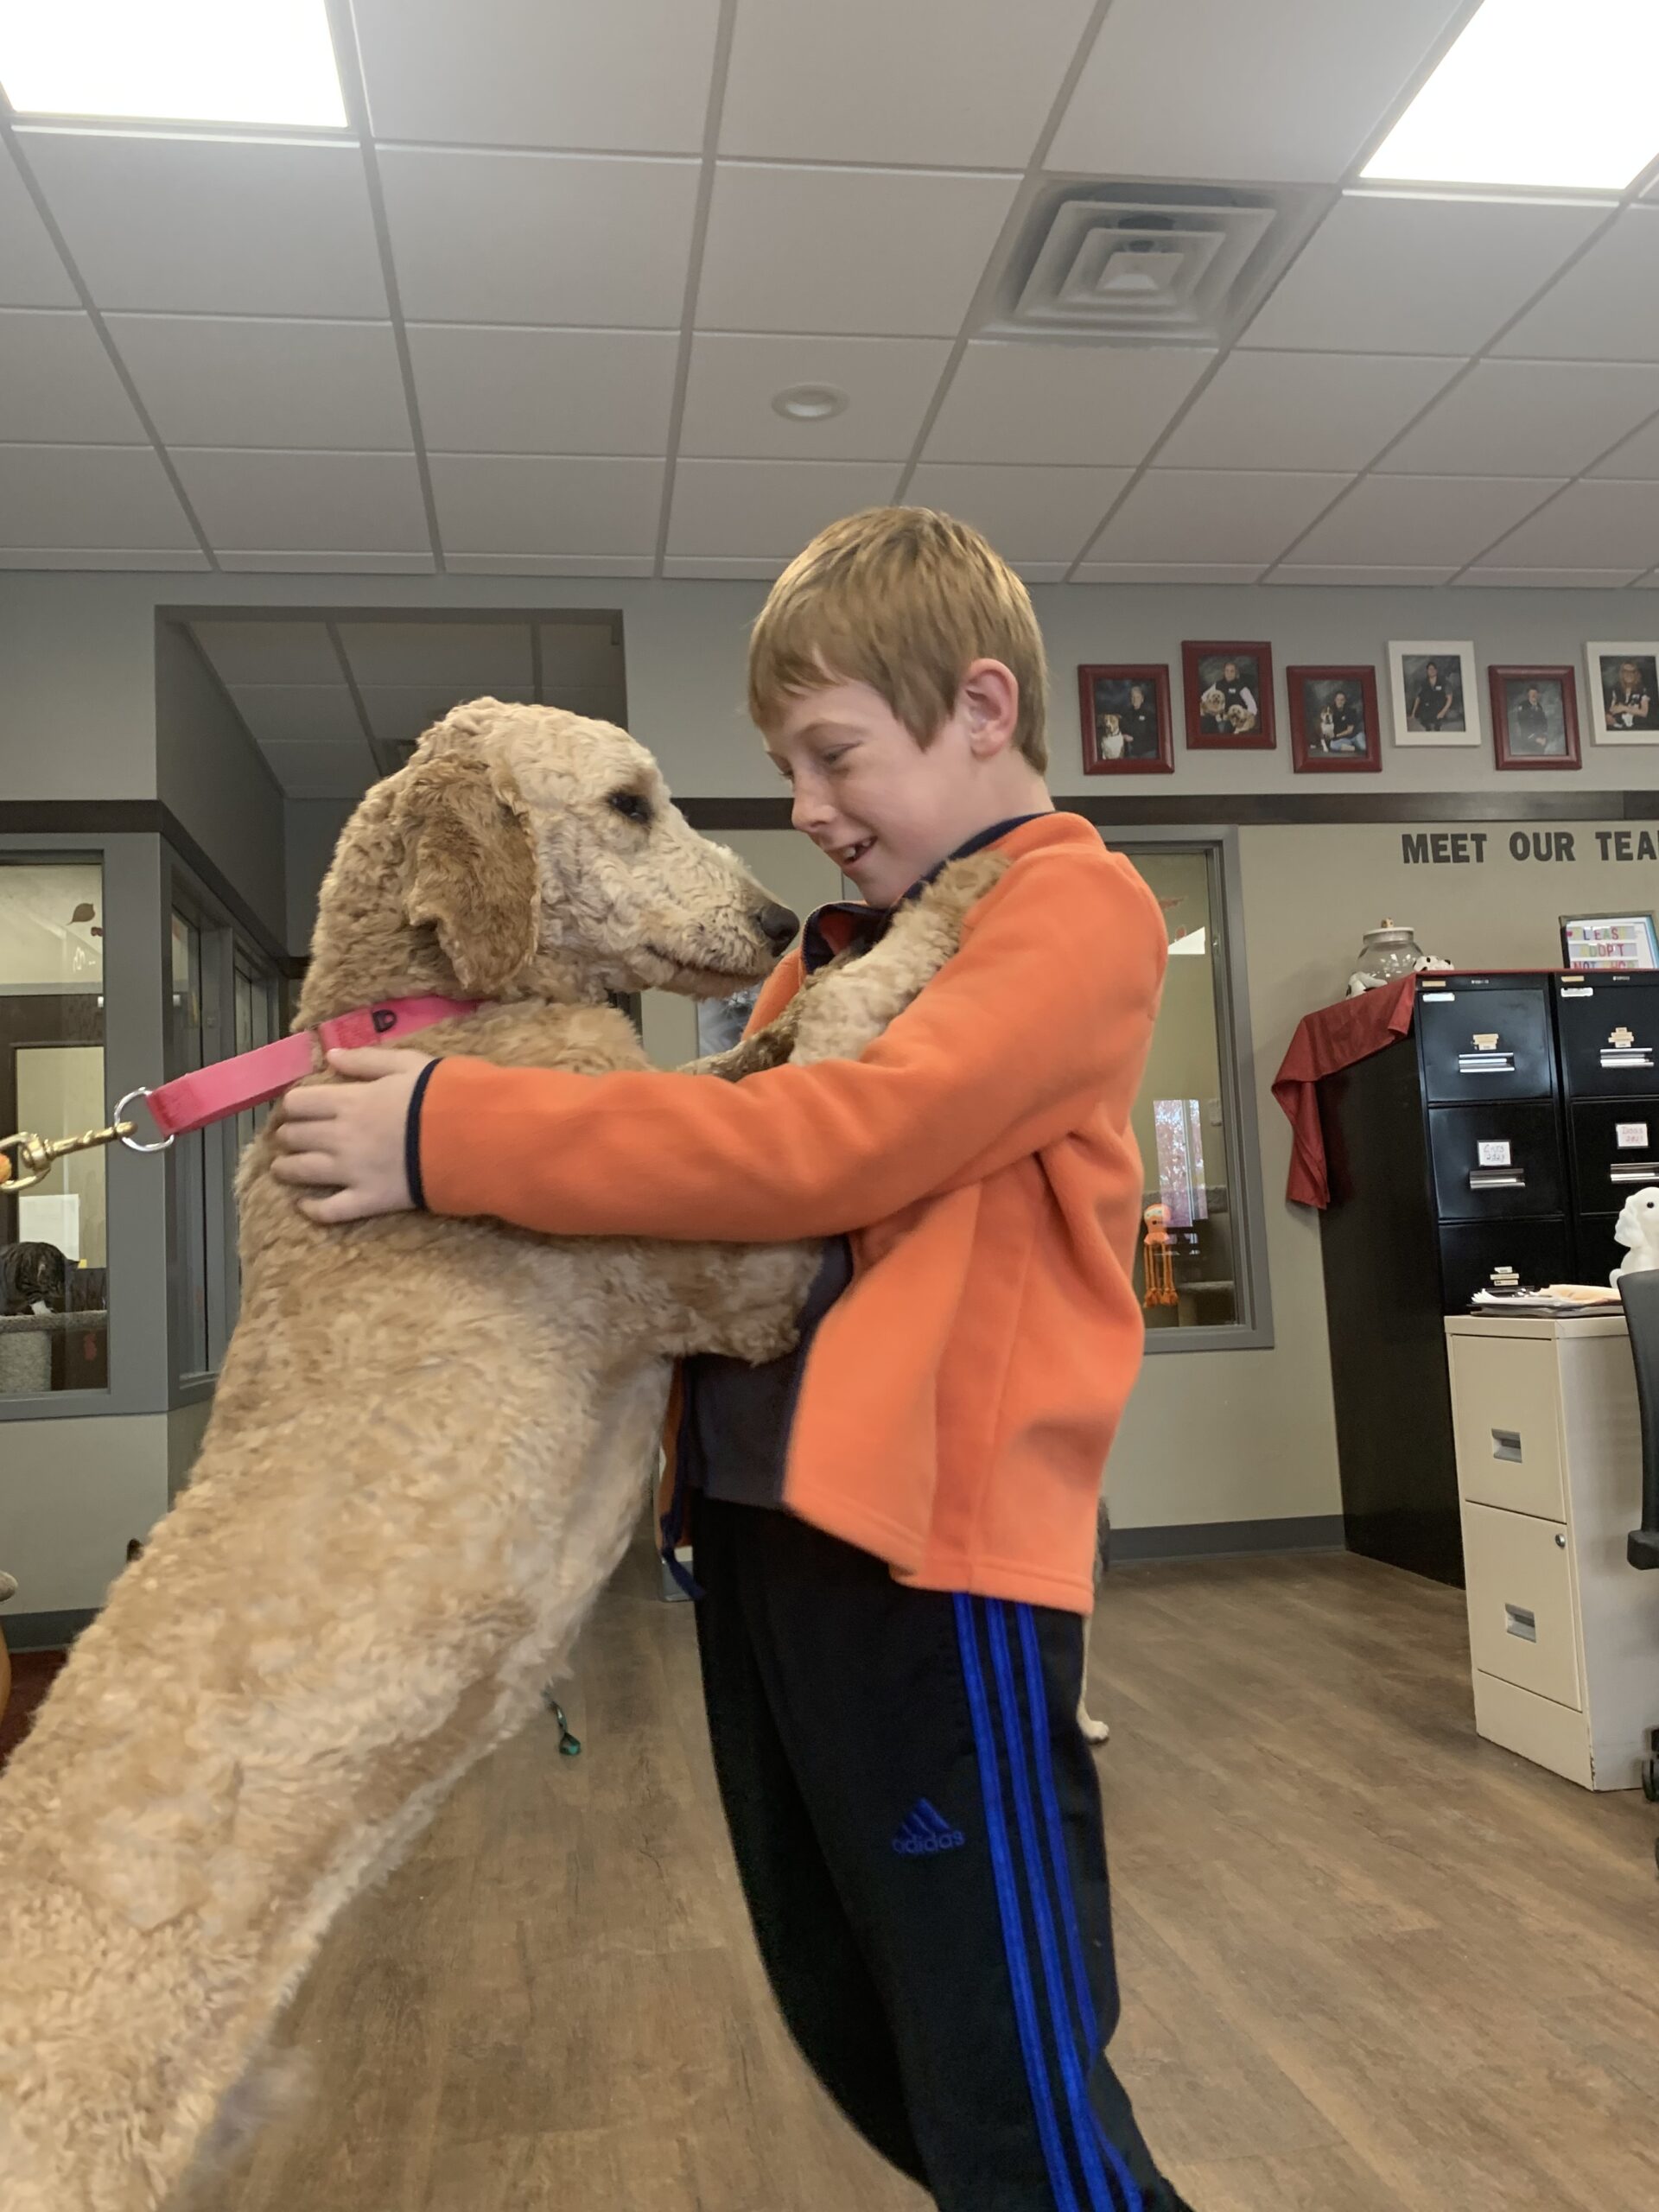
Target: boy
(895,1530)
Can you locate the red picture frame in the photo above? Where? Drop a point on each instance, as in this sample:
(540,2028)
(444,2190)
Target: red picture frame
(1203,667)
(1556,720)
(1105,690)
(1317,750)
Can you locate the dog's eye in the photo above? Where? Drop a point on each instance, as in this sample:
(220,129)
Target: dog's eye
(631,805)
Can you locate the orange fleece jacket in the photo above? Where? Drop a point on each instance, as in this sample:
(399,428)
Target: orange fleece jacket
(963,1394)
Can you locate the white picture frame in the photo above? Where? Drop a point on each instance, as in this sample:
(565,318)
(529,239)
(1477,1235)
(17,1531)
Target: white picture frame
(1602,678)
(1453,659)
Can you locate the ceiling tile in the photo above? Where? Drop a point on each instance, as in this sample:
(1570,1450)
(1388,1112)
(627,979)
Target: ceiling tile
(539,238)
(549,392)
(57,386)
(889,382)
(1637,457)
(209,380)
(1286,90)
(890,253)
(1386,273)
(1558,579)
(1166,572)
(1606,307)
(127,559)
(551,564)
(1594,524)
(933,83)
(259,653)
(399,713)
(1291,572)
(32,274)
(522,72)
(306,502)
(89,496)
(1041,572)
(745,510)
(1029,514)
(283,562)
(469,658)
(1187,515)
(1421,521)
(322,770)
(496,504)
(1096,405)
(288,714)
(689,566)
(213,225)
(1549,416)
(1303,411)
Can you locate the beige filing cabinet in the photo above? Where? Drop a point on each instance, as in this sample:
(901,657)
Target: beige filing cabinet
(1563,1632)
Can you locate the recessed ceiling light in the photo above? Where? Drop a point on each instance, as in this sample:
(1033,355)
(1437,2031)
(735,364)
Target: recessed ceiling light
(172,60)
(1536,92)
(810,403)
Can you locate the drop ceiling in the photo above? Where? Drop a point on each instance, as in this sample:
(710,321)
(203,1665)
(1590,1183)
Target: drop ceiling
(334,702)
(528,313)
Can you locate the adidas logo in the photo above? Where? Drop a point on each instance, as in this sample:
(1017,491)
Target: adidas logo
(926,1831)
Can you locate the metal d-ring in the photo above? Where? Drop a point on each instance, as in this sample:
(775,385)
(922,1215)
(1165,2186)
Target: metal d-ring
(143,1091)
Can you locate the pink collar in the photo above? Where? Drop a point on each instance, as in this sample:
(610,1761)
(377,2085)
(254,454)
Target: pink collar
(213,1094)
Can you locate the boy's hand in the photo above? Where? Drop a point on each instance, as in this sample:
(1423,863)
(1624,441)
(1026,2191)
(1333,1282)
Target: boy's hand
(348,1139)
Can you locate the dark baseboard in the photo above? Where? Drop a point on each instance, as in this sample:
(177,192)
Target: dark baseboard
(1305,1532)
(44,1631)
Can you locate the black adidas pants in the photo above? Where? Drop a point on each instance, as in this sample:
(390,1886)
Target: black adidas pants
(917,1827)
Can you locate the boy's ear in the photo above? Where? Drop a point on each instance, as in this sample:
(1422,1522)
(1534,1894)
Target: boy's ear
(988,703)
(470,869)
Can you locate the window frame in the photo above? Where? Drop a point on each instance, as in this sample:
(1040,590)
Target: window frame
(1218,846)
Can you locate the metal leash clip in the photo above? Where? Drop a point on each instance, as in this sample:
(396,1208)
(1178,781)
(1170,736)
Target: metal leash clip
(27,1159)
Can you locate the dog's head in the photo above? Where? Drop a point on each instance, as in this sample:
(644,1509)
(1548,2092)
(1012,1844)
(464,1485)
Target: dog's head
(532,839)
(1637,1226)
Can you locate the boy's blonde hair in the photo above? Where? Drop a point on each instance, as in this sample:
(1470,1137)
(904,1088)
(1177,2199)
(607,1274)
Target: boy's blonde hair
(903,599)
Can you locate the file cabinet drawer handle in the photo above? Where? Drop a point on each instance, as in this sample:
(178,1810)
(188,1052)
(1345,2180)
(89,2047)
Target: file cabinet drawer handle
(1635,1171)
(1506,1445)
(1522,1621)
(1497,1179)
(1638,1056)
(1485,1062)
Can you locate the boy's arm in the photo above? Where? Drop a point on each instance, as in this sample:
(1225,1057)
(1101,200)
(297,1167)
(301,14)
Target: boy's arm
(1047,1007)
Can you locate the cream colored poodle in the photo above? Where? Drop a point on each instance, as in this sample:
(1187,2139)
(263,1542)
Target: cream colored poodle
(424,1460)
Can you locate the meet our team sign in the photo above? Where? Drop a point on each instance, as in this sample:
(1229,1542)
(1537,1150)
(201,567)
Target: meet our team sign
(1467,848)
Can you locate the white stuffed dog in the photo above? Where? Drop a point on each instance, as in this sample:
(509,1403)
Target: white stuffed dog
(1638,1231)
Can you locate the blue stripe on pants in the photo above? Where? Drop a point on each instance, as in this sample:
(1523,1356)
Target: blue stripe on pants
(1101,2196)
(1038,1700)
(1013,1934)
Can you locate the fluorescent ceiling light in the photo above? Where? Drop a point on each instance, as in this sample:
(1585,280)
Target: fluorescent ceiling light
(1536,92)
(172,60)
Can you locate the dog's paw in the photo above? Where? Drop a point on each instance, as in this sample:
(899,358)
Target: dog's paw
(1094,1732)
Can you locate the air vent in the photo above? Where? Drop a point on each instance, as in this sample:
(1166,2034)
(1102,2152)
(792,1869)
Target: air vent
(1134,264)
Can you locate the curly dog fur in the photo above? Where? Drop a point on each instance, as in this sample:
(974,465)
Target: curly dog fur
(424,1460)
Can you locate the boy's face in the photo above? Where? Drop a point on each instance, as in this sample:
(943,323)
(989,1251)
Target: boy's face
(884,808)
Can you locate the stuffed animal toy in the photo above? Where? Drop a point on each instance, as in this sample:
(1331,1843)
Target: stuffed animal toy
(1638,1231)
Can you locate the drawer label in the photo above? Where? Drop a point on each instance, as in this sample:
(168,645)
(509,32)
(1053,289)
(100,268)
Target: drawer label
(1578,991)
(1632,1136)
(1495,1153)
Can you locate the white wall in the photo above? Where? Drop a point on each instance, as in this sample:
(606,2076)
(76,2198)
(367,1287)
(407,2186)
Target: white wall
(311,829)
(215,779)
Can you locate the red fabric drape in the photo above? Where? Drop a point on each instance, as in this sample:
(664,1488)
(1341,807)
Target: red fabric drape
(1333,1038)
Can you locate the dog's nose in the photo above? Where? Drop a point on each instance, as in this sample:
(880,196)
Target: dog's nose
(778,925)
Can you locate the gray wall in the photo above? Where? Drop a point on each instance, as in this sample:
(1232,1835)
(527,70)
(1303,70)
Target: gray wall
(1236,1435)
(311,827)
(215,779)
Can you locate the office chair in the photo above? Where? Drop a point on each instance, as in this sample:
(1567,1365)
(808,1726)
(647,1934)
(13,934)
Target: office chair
(1640,1293)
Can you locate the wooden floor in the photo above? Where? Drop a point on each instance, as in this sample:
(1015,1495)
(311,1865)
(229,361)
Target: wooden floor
(1369,1961)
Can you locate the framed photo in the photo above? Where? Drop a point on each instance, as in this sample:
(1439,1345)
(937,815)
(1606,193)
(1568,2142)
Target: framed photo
(1228,697)
(1535,717)
(1334,730)
(1609,941)
(1435,700)
(1623,694)
(1126,720)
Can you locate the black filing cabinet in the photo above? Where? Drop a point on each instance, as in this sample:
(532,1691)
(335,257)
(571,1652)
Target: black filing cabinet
(1449,1174)
(1608,1027)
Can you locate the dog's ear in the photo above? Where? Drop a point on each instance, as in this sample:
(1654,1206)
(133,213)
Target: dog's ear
(470,869)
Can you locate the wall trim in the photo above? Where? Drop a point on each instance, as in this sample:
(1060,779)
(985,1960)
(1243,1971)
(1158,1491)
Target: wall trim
(1243,809)
(1305,1532)
(97,817)
(46,1631)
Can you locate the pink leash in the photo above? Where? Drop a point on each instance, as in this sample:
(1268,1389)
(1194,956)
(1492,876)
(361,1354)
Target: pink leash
(213,1094)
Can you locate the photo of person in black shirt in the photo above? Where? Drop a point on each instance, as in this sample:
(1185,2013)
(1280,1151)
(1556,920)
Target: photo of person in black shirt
(1333,716)
(1433,693)
(1629,688)
(1535,732)
(1126,719)
(1536,714)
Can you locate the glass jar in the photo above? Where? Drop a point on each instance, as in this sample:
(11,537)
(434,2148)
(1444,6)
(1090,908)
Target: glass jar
(1389,952)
